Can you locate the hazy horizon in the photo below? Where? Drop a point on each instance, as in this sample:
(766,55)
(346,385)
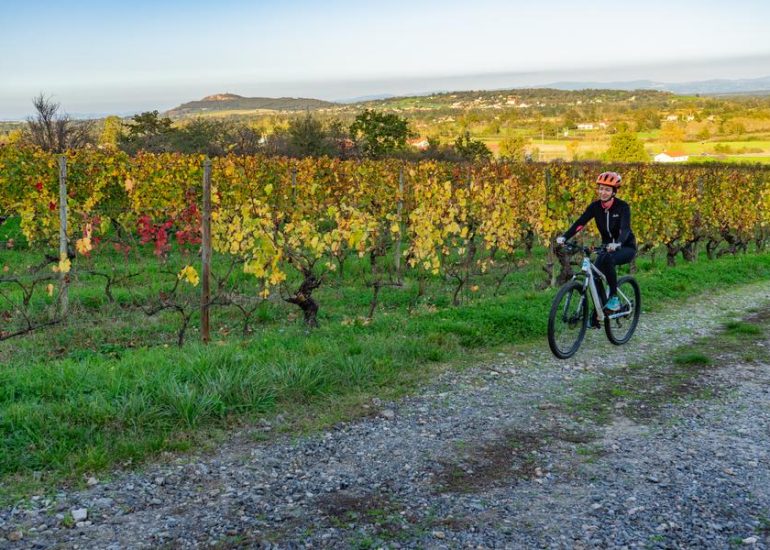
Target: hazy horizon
(164,98)
(96,57)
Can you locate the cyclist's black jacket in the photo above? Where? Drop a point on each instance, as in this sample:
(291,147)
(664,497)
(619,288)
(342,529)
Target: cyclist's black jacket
(614,223)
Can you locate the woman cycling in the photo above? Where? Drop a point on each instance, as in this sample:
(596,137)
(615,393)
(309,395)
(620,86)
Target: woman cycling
(613,219)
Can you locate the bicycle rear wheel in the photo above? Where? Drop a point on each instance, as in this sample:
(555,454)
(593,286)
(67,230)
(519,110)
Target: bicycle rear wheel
(568,320)
(620,329)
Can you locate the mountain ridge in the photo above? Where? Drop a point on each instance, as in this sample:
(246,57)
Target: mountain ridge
(707,87)
(235,102)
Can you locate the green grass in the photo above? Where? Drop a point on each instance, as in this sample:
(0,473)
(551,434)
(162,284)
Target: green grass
(692,358)
(742,328)
(77,400)
(752,159)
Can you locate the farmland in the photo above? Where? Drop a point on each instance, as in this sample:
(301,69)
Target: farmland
(554,124)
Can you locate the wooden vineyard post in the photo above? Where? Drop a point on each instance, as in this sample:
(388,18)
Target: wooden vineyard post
(399,210)
(551,261)
(206,252)
(64,275)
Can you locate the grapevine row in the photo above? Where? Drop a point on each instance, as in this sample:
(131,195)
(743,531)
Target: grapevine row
(279,215)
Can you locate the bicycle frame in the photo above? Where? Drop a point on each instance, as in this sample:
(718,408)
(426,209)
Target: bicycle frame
(589,271)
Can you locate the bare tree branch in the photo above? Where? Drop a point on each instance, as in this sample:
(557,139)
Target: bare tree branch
(54,132)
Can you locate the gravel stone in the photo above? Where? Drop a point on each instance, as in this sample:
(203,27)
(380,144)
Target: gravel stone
(79,514)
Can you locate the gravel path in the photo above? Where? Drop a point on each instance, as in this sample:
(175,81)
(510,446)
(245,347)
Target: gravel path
(512,453)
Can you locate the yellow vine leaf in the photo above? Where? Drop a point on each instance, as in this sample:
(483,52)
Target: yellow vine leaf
(190,275)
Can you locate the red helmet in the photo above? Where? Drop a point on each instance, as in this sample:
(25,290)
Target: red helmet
(610,179)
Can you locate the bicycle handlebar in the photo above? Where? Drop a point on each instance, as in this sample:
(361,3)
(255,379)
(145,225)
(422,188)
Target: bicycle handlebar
(573,247)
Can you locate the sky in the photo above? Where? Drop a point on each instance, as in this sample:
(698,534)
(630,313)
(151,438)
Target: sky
(120,57)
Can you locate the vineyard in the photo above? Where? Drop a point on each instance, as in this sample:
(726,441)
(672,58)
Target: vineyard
(281,229)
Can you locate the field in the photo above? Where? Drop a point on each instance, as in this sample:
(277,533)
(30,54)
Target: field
(591,147)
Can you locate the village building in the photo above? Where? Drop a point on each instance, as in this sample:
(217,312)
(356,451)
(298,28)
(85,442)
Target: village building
(420,143)
(671,156)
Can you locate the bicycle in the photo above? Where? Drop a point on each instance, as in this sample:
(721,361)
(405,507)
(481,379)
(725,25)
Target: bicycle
(568,319)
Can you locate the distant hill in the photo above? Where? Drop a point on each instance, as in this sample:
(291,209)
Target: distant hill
(641,91)
(233,102)
(706,87)
(516,98)
(365,98)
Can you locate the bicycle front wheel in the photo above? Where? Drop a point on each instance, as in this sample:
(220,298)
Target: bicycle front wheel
(568,320)
(620,326)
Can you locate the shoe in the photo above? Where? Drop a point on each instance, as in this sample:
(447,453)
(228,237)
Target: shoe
(594,322)
(613,304)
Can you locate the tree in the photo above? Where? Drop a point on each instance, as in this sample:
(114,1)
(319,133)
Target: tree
(468,119)
(246,140)
(148,132)
(380,134)
(546,129)
(572,148)
(671,133)
(338,138)
(571,118)
(110,136)
(620,127)
(208,137)
(626,147)
(736,127)
(277,143)
(307,136)
(337,130)
(54,132)
(149,123)
(513,148)
(647,119)
(493,127)
(470,149)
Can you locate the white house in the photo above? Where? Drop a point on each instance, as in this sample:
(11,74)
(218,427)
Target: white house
(421,143)
(671,156)
(585,126)
(672,118)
